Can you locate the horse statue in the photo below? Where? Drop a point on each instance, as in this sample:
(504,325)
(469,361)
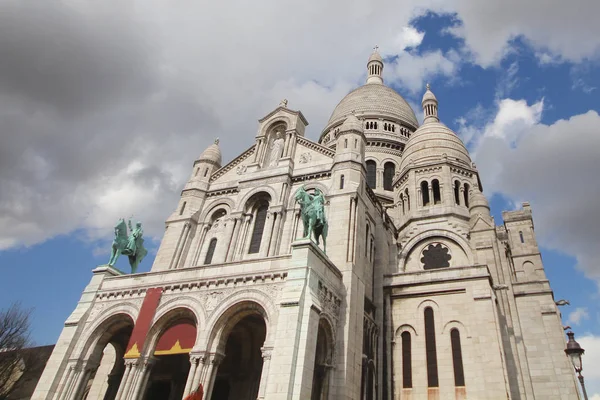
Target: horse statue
(131,245)
(312,208)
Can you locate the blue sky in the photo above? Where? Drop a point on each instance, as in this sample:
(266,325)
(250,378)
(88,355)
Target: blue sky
(95,140)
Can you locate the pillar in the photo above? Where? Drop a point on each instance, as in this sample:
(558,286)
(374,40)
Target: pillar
(234,239)
(204,228)
(140,384)
(266,239)
(181,245)
(275,234)
(209,379)
(231,223)
(266,354)
(129,368)
(194,359)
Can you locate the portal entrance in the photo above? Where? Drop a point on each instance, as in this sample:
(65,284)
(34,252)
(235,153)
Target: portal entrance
(323,362)
(172,361)
(238,375)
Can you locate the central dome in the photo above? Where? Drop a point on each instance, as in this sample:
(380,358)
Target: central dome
(374,100)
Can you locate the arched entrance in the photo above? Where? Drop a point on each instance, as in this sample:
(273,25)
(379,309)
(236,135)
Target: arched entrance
(243,331)
(323,362)
(105,361)
(169,374)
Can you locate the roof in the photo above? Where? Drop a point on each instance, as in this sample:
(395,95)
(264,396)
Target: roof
(374,100)
(35,359)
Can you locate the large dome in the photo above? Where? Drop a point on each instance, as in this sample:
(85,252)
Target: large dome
(430,143)
(375,100)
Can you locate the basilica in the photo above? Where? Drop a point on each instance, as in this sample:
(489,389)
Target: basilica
(414,291)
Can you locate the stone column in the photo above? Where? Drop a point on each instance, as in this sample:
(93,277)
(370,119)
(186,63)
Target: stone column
(199,371)
(266,354)
(74,371)
(142,380)
(125,382)
(286,145)
(209,379)
(266,239)
(234,239)
(228,237)
(181,245)
(275,234)
(68,377)
(241,245)
(204,228)
(292,145)
(191,375)
(82,379)
(431,199)
(379,183)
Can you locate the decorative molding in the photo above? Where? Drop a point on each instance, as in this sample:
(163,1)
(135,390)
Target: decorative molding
(330,302)
(232,190)
(312,176)
(315,146)
(461,171)
(241,169)
(236,161)
(305,158)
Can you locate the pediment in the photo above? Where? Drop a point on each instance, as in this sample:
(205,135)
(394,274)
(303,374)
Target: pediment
(309,153)
(482,223)
(236,167)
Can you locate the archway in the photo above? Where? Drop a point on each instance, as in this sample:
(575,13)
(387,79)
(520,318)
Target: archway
(169,374)
(238,374)
(323,362)
(106,360)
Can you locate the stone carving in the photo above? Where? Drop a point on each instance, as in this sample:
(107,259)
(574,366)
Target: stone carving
(131,246)
(241,169)
(305,158)
(283,103)
(276,149)
(312,208)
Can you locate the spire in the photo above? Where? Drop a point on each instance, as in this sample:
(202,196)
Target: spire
(430,106)
(375,67)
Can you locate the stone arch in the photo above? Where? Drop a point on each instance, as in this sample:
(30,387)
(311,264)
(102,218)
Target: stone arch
(414,242)
(275,122)
(448,326)
(324,359)
(437,314)
(175,310)
(190,303)
(93,333)
(405,328)
(266,189)
(209,209)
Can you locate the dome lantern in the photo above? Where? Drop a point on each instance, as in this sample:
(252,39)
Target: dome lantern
(430,106)
(375,67)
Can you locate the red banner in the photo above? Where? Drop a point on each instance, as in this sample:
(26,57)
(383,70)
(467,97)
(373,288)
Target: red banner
(142,325)
(178,339)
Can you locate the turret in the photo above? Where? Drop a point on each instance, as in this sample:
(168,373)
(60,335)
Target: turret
(375,68)
(430,106)
(349,159)
(208,162)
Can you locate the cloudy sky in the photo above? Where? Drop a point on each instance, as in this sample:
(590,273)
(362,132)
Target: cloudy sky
(105,105)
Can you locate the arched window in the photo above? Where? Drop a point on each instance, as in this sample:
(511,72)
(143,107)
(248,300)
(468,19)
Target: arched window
(345,143)
(437,196)
(521,237)
(393,128)
(457,192)
(206,172)
(407,199)
(425,192)
(406,360)
(459,374)
(211,250)
(197,170)
(371,174)
(371,251)
(430,349)
(182,207)
(375,125)
(466,195)
(259,228)
(342,182)
(389,170)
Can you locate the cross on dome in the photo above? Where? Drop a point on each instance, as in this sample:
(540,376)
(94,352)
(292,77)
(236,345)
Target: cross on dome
(376,48)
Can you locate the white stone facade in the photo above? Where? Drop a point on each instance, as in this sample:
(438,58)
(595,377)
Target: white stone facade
(419,295)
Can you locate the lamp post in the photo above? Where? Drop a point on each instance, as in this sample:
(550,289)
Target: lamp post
(574,351)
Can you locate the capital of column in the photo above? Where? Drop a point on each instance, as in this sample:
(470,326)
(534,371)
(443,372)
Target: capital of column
(216,358)
(132,362)
(266,352)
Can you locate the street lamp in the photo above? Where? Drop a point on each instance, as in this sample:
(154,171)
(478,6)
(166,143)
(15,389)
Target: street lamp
(574,351)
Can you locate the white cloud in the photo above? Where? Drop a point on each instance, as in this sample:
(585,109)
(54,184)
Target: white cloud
(552,166)
(591,363)
(107,119)
(575,317)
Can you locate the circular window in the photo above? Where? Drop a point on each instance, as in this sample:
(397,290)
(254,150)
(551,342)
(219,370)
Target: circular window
(435,256)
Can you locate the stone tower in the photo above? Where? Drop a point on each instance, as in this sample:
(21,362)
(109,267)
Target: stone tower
(416,293)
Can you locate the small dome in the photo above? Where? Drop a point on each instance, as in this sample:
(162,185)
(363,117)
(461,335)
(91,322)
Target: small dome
(375,57)
(428,96)
(434,142)
(352,124)
(477,199)
(212,154)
